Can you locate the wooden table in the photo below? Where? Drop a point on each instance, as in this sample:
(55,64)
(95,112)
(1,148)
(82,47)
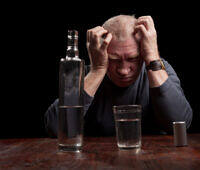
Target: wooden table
(157,152)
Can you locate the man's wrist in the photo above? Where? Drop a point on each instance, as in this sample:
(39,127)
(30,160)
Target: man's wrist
(99,71)
(156,65)
(151,58)
(92,81)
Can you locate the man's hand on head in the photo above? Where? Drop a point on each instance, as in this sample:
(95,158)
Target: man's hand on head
(146,35)
(98,40)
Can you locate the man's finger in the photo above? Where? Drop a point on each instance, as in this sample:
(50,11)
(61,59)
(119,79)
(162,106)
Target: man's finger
(146,17)
(90,32)
(143,22)
(142,29)
(96,28)
(95,35)
(106,41)
(99,36)
(147,20)
(88,36)
(101,32)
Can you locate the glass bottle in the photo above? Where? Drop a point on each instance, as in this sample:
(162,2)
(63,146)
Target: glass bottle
(71,86)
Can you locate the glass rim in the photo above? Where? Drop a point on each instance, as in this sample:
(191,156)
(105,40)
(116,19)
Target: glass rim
(179,122)
(131,106)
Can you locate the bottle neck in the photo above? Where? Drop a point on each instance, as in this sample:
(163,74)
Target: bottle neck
(72,46)
(72,51)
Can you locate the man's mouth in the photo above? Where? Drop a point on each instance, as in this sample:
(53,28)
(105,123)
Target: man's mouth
(125,78)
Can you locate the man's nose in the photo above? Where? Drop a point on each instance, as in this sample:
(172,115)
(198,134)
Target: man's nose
(123,69)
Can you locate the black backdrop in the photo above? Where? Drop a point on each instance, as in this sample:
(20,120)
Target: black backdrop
(34,42)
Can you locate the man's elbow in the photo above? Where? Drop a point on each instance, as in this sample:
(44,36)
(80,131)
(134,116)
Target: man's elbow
(188,117)
(50,126)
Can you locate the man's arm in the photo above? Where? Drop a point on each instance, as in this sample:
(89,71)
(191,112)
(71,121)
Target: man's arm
(51,119)
(97,50)
(168,100)
(146,36)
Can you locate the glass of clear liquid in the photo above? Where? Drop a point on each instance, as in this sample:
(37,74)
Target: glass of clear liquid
(128,126)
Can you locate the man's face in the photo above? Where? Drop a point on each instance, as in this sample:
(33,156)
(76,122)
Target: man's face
(124,62)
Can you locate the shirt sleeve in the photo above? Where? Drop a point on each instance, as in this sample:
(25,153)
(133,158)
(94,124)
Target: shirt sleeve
(51,115)
(169,102)
(51,119)
(87,98)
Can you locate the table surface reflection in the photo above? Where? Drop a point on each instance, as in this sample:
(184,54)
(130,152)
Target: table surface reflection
(157,152)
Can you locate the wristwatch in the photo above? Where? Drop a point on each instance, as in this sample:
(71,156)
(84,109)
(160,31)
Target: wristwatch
(156,65)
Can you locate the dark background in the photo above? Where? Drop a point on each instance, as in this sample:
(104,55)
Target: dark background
(34,41)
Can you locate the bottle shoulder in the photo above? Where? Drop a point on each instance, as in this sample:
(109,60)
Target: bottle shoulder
(71,59)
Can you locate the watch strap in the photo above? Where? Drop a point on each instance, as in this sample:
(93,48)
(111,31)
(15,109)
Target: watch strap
(156,65)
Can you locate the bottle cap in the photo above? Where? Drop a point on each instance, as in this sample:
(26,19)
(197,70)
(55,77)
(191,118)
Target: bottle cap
(72,38)
(72,34)
(180,135)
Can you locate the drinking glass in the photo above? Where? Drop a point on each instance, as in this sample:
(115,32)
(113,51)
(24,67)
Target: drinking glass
(128,126)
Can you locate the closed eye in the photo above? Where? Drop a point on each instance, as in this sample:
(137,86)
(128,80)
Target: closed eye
(136,59)
(114,57)
(114,60)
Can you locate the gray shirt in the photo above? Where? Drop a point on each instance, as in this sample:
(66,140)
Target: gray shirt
(160,105)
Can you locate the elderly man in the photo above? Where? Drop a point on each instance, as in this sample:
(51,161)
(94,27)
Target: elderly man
(126,69)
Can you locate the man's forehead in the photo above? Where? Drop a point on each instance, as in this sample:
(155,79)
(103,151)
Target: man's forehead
(120,45)
(125,42)
(128,48)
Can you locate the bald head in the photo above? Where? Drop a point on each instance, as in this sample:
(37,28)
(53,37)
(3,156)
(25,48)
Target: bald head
(121,26)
